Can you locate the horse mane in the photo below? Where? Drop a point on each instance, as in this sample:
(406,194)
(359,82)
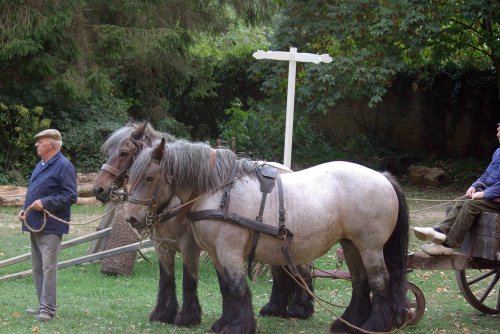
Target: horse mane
(117,137)
(188,163)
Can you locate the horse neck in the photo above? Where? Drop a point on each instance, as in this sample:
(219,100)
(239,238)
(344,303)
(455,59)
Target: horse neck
(211,171)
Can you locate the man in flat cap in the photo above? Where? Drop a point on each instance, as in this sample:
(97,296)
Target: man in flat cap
(52,187)
(482,195)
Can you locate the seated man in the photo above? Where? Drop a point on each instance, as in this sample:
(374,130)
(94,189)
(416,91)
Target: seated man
(483,195)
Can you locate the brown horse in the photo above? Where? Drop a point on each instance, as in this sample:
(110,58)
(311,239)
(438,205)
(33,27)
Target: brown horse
(287,298)
(334,202)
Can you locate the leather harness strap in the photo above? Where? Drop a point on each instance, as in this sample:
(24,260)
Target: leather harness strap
(288,236)
(112,170)
(236,219)
(257,226)
(226,197)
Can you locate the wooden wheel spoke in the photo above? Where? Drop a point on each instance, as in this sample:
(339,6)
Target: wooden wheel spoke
(489,288)
(482,277)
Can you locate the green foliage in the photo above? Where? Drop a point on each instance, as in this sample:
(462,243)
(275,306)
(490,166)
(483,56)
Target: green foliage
(18,125)
(259,133)
(171,126)
(84,135)
(370,42)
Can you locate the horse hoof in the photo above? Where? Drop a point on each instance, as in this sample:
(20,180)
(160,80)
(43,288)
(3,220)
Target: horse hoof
(270,310)
(187,320)
(157,316)
(338,327)
(219,325)
(300,311)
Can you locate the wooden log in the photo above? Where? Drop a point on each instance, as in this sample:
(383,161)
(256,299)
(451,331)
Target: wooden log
(87,201)
(85,190)
(66,244)
(18,201)
(86,258)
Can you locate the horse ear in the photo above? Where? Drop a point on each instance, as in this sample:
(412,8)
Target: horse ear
(147,140)
(137,143)
(130,121)
(139,132)
(159,150)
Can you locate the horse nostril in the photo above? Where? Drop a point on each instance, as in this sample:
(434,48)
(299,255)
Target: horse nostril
(98,190)
(131,220)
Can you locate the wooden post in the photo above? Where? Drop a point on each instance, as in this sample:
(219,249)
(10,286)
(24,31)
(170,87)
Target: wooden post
(292,57)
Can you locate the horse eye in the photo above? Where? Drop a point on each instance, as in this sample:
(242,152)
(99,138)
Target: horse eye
(123,154)
(149,178)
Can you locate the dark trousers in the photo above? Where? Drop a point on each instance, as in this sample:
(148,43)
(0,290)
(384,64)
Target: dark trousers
(462,216)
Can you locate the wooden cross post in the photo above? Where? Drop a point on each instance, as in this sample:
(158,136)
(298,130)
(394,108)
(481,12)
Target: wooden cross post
(292,57)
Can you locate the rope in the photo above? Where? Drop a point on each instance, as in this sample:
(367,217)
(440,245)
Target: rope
(47,213)
(320,302)
(446,202)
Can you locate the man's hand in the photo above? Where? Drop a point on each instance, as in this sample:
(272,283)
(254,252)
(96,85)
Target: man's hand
(478,195)
(470,192)
(20,215)
(37,205)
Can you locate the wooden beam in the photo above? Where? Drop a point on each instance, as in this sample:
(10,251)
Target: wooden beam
(86,258)
(66,244)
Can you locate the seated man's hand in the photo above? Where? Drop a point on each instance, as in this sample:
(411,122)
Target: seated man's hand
(478,195)
(470,192)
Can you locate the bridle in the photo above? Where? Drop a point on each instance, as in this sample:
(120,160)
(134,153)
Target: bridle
(151,202)
(119,174)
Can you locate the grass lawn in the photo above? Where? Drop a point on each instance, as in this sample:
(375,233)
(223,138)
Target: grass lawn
(90,302)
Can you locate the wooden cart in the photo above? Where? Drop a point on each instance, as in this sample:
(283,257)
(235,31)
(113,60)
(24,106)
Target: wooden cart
(476,263)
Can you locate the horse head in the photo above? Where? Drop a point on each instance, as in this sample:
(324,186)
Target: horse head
(121,148)
(150,190)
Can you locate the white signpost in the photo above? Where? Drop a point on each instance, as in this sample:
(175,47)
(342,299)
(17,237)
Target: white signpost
(292,57)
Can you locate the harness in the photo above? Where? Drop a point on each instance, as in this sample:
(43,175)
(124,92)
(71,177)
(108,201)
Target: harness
(268,177)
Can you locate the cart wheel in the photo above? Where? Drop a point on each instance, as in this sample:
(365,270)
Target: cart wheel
(480,288)
(417,303)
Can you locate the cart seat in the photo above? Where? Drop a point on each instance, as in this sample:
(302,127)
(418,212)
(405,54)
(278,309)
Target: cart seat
(483,239)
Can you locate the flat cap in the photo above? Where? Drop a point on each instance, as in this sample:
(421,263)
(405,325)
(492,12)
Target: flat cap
(50,133)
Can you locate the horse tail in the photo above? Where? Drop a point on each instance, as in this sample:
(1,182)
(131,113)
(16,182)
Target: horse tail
(395,255)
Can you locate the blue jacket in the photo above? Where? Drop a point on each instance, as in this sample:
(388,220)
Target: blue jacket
(490,180)
(55,185)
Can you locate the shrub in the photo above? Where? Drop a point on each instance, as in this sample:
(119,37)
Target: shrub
(18,125)
(259,133)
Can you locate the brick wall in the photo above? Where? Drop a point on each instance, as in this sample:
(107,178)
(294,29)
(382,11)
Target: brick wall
(418,125)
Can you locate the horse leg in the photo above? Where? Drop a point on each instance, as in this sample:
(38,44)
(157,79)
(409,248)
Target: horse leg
(237,314)
(280,292)
(359,307)
(288,299)
(166,300)
(301,305)
(381,316)
(190,313)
